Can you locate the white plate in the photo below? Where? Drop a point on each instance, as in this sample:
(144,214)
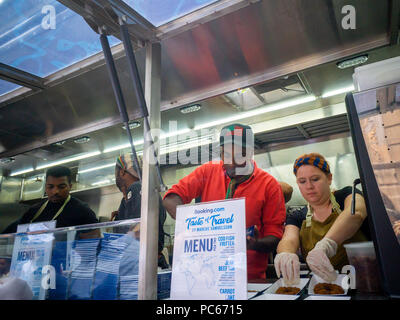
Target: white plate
(277,284)
(340,280)
(267,296)
(327,297)
(257,287)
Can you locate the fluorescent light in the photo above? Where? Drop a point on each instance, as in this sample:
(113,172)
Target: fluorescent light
(98,168)
(21,172)
(338,91)
(119,147)
(55,163)
(79,157)
(101,182)
(140,142)
(258,111)
(123,146)
(175,133)
(197,142)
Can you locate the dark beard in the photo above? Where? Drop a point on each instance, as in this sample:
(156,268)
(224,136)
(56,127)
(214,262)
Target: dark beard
(119,183)
(239,171)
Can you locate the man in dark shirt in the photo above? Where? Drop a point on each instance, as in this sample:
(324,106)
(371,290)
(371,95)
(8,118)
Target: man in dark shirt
(60,206)
(127,181)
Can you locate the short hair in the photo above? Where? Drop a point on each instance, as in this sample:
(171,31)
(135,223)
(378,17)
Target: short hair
(58,172)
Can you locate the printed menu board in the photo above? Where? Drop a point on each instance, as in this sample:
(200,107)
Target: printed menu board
(30,254)
(210,251)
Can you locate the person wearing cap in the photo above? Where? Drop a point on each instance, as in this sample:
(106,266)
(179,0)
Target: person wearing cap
(322,227)
(236,175)
(60,206)
(127,181)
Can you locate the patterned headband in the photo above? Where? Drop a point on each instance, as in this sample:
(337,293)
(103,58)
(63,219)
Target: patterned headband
(312,160)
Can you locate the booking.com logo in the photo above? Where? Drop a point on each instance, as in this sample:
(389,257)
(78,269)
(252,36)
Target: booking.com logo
(209,210)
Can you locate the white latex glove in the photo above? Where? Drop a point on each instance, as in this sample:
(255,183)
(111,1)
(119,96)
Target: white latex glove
(318,259)
(288,265)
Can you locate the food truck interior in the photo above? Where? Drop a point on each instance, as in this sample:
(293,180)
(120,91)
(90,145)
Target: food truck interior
(282,67)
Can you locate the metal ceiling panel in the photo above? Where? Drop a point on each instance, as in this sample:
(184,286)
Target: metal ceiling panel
(257,43)
(79,105)
(264,41)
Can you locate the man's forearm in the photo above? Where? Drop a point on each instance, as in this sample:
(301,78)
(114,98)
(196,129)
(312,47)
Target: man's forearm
(171,202)
(265,245)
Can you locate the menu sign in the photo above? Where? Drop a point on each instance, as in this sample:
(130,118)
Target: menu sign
(31,253)
(210,251)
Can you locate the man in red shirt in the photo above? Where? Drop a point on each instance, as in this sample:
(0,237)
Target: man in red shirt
(237,176)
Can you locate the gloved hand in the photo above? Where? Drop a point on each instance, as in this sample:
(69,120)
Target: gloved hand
(318,259)
(288,265)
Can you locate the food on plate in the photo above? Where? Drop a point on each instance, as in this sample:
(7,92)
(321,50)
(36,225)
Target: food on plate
(287,290)
(328,288)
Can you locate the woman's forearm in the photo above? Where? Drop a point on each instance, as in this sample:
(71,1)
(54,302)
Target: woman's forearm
(290,241)
(346,225)
(288,245)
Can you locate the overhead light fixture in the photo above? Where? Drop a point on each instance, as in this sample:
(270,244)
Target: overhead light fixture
(140,142)
(97,168)
(81,140)
(188,144)
(122,146)
(352,62)
(242,91)
(132,125)
(338,91)
(17,173)
(106,181)
(7,160)
(191,108)
(67,160)
(55,163)
(259,111)
(60,143)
